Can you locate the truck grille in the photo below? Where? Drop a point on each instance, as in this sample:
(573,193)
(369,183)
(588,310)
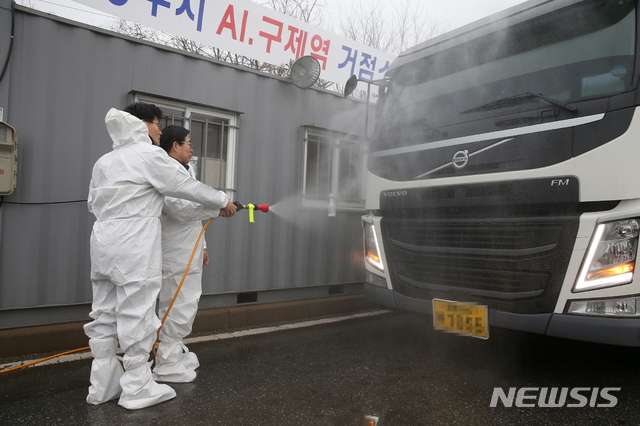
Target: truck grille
(510,264)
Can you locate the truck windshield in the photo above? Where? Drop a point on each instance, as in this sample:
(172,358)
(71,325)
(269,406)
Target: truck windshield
(579,52)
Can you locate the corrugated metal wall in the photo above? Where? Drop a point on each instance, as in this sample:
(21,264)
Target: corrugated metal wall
(62,80)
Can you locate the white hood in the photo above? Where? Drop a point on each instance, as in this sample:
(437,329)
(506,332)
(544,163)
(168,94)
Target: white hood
(125,129)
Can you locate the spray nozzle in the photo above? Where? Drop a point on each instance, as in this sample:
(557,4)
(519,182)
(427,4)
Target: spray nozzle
(262,207)
(251,207)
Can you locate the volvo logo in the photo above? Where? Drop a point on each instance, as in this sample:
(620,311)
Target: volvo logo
(460,159)
(395,193)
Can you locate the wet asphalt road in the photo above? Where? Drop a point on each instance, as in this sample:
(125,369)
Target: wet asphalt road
(392,366)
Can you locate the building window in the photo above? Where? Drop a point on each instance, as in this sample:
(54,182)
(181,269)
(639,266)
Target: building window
(213,136)
(334,164)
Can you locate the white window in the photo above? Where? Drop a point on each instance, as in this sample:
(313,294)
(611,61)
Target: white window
(213,136)
(335,163)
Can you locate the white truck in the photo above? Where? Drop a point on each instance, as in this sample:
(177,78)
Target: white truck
(503,183)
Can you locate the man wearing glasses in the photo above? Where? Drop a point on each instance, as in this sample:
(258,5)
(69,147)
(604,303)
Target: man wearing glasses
(181,225)
(126,195)
(150,115)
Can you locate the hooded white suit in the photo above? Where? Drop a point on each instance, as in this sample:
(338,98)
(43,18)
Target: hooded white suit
(126,195)
(181,225)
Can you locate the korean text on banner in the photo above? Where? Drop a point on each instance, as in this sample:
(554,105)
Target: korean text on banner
(252,30)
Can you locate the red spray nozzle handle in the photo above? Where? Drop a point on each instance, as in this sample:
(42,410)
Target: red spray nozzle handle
(263,207)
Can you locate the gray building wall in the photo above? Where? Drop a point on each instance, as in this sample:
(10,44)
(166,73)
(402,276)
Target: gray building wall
(62,79)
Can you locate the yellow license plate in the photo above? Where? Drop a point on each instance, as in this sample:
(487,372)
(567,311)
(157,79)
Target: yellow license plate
(455,317)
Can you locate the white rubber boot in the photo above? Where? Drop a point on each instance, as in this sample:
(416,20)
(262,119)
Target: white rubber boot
(139,390)
(175,364)
(106,371)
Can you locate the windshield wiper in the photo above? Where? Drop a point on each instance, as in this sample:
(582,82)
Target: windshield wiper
(519,99)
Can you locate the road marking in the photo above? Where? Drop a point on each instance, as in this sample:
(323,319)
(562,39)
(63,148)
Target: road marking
(212,337)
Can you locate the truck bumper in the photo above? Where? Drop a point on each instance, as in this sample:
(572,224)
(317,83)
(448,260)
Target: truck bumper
(612,331)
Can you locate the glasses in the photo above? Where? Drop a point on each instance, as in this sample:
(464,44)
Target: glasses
(157,123)
(186,143)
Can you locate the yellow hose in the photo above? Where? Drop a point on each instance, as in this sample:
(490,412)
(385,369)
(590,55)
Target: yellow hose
(42,360)
(175,296)
(184,276)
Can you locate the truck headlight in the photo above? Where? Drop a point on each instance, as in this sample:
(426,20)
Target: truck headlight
(611,256)
(371,247)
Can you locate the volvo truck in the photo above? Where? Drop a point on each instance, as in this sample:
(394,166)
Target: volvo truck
(503,185)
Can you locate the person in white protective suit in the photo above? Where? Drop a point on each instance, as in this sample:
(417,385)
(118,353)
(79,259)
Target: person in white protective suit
(181,226)
(126,195)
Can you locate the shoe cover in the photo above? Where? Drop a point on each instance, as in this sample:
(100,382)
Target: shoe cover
(139,390)
(106,371)
(190,360)
(175,364)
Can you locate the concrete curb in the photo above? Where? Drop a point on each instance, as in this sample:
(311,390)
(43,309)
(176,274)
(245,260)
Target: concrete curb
(62,337)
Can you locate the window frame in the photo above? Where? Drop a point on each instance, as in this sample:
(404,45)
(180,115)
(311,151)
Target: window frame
(338,140)
(188,110)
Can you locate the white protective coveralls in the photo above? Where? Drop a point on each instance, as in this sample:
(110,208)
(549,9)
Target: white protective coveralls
(126,195)
(181,225)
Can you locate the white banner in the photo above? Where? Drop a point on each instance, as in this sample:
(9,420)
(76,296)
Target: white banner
(252,30)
